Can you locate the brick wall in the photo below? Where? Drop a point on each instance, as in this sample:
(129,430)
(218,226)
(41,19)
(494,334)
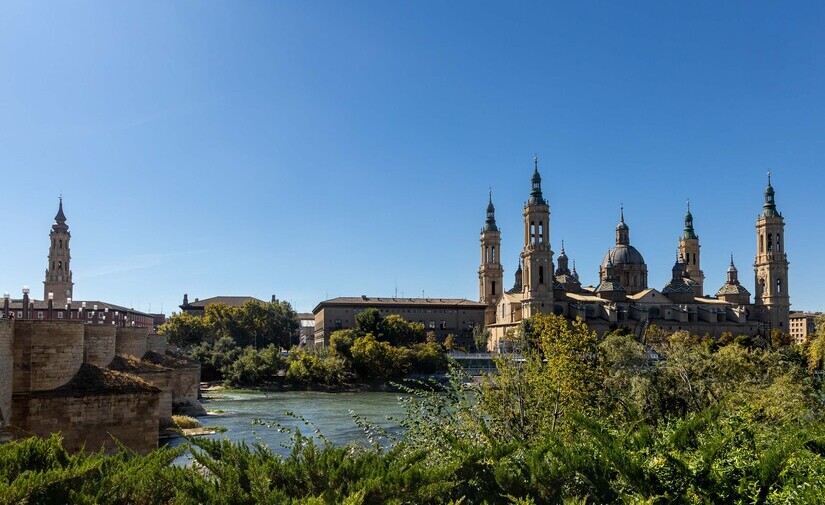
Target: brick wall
(99,344)
(47,354)
(92,420)
(131,341)
(156,343)
(6,370)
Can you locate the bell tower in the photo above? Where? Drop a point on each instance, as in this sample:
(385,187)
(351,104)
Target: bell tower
(537,257)
(771,265)
(689,249)
(490,272)
(58,273)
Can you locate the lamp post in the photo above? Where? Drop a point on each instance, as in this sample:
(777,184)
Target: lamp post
(25,302)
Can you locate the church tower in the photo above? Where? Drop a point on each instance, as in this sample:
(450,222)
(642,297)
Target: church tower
(490,272)
(689,249)
(537,257)
(771,265)
(58,274)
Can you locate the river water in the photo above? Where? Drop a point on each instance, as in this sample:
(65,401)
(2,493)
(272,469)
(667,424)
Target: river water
(327,412)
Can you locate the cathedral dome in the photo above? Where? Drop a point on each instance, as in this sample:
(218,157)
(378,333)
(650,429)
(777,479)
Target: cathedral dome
(623,255)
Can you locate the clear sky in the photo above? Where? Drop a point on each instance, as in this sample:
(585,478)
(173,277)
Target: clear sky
(313,149)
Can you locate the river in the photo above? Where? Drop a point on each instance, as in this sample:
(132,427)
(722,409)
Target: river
(327,412)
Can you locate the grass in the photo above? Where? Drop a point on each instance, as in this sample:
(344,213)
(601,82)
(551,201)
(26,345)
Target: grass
(186,422)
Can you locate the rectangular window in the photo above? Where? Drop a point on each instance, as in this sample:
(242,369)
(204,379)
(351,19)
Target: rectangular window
(60,315)
(39,314)
(19,314)
(89,315)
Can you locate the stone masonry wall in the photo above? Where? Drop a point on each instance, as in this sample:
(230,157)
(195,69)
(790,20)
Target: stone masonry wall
(185,390)
(156,343)
(6,371)
(131,418)
(99,344)
(131,341)
(162,379)
(47,354)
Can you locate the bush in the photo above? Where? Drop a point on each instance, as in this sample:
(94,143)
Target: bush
(312,368)
(186,422)
(253,367)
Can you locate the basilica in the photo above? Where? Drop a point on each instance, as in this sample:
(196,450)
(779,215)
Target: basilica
(623,297)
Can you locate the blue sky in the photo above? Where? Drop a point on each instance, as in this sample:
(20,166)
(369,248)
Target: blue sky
(313,149)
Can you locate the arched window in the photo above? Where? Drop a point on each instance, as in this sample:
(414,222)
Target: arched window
(541,232)
(761,243)
(494,287)
(770,242)
(778,243)
(493,256)
(486,254)
(694,258)
(541,275)
(532,232)
(61,243)
(778,286)
(60,265)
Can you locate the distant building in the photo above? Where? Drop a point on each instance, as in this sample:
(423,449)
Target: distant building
(803,326)
(442,316)
(198,307)
(58,288)
(623,297)
(306,329)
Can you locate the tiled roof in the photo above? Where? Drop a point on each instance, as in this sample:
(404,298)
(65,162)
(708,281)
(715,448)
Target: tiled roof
(732,289)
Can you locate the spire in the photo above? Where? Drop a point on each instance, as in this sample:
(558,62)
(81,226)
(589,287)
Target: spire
(562,249)
(60,217)
(536,197)
(490,223)
(689,232)
(733,273)
(769,209)
(622,231)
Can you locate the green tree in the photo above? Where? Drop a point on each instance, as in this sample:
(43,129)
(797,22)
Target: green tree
(374,359)
(184,330)
(370,321)
(400,332)
(481,338)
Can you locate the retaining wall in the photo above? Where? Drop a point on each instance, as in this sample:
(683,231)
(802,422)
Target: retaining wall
(92,421)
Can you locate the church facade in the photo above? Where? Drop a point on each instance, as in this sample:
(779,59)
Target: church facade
(623,297)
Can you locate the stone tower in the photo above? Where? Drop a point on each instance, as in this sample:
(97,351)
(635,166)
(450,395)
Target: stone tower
(689,249)
(537,257)
(490,272)
(771,265)
(58,274)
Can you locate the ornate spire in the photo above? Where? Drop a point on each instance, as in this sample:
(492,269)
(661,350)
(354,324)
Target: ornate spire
(490,223)
(769,209)
(689,232)
(622,231)
(60,217)
(536,197)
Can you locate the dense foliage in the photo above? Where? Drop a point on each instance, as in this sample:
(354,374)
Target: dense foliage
(576,419)
(376,350)
(235,366)
(255,324)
